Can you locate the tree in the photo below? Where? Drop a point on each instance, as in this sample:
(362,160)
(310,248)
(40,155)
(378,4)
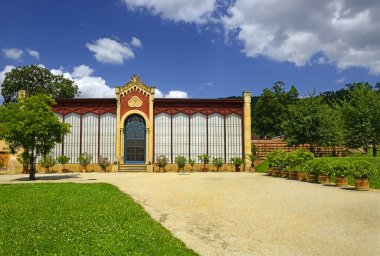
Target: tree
(313,122)
(361,116)
(36,80)
(271,109)
(31,125)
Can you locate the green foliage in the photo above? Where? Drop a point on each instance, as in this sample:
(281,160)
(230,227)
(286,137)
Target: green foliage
(362,169)
(322,166)
(252,158)
(162,161)
(304,157)
(103,162)
(180,161)
(205,159)
(341,168)
(79,219)
(84,159)
(271,109)
(36,80)
(218,161)
(277,158)
(313,122)
(31,125)
(262,167)
(47,162)
(63,159)
(191,162)
(237,161)
(24,159)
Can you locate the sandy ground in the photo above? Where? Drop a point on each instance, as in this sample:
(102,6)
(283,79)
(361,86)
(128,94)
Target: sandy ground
(249,213)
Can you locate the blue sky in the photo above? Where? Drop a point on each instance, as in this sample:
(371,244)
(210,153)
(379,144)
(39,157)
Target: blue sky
(195,48)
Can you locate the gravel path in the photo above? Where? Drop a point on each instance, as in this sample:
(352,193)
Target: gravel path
(249,213)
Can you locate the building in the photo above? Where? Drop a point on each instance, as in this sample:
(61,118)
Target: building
(134,128)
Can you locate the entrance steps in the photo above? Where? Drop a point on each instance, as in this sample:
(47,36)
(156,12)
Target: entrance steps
(132,168)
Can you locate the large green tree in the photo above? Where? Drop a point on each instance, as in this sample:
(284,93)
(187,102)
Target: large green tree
(30,125)
(313,122)
(271,109)
(36,80)
(361,116)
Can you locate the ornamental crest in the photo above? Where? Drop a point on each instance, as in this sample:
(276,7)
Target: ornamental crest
(134,102)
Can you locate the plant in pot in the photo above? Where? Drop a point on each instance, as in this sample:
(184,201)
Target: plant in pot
(280,163)
(252,158)
(181,162)
(205,159)
(218,162)
(362,171)
(270,158)
(312,172)
(341,169)
(303,157)
(191,163)
(63,160)
(237,161)
(47,161)
(322,166)
(84,160)
(162,161)
(293,161)
(103,162)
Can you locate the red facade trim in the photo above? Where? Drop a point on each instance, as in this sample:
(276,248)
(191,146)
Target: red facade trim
(83,106)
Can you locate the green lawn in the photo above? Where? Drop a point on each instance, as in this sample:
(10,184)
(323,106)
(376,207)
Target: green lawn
(374,180)
(79,219)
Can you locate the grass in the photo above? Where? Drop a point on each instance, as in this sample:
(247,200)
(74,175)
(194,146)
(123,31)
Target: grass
(374,180)
(79,219)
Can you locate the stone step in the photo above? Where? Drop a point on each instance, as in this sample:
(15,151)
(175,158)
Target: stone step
(132,168)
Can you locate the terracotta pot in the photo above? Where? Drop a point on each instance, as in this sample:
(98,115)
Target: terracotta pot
(218,168)
(270,171)
(361,184)
(284,174)
(301,176)
(276,171)
(252,169)
(341,182)
(312,178)
(205,169)
(237,168)
(324,179)
(292,175)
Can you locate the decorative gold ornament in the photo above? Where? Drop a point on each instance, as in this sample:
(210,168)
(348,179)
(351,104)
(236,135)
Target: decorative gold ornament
(135,102)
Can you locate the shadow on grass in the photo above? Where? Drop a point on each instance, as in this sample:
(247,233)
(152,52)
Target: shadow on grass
(50,177)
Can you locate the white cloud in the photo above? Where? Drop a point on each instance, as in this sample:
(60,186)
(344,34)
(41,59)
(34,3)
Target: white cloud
(82,71)
(158,94)
(170,94)
(107,50)
(6,69)
(345,32)
(33,53)
(13,53)
(191,11)
(136,42)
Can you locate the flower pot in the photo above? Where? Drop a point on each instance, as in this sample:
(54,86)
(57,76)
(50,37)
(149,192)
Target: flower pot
(341,182)
(284,174)
(324,179)
(361,184)
(292,175)
(270,172)
(218,168)
(312,178)
(276,172)
(301,176)
(205,169)
(237,168)
(252,169)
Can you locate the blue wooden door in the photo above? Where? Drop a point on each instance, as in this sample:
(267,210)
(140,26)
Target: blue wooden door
(134,139)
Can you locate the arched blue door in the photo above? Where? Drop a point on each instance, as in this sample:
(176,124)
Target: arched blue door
(134,139)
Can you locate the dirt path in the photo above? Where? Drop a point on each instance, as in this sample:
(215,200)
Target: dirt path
(250,214)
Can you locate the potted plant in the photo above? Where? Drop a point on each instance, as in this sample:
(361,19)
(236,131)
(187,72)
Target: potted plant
(237,161)
(84,160)
(270,158)
(303,157)
(312,172)
(103,162)
(63,160)
(341,169)
(162,161)
(279,163)
(252,158)
(218,162)
(362,171)
(191,163)
(323,167)
(181,162)
(293,161)
(47,161)
(205,159)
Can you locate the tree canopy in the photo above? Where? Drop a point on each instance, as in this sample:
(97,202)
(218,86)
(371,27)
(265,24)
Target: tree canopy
(36,80)
(31,125)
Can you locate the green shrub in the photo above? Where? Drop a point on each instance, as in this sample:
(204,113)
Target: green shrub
(218,161)
(341,168)
(180,161)
(237,161)
(63,160)
(47,162)
(191,162)
(362,169)
(103,162)
(205,159)
(322,166)
(304,156)
(277,158)
(162,161)
(84,159)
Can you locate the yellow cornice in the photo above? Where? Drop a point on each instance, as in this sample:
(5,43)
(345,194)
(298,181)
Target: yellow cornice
(133,85)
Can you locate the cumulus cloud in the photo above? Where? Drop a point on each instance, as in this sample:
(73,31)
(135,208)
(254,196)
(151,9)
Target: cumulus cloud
(158,94)
(13,53)
(171,94)
(82,71)
(136,42)
(107,50)
(345,32)
(33,53)
(191,11)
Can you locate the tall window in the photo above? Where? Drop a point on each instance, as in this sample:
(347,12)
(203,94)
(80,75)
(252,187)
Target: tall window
(216,135)
(233,136)
(198,133)
(162,135)
(180,135)
(72,140)
(108,136)
(90,127)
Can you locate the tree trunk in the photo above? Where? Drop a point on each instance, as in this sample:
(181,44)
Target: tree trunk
(374,151)
(32,173)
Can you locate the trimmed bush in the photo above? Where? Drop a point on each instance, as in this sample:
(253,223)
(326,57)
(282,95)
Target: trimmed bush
(362,169)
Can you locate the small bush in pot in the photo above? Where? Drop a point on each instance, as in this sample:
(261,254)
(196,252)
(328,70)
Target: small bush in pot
(323,167)
(218,162)
(303,156)
(270,158)
(362,171)
(181,162)
(191,163)
(63,160)
(162,161)
(341,169)
(237,161)
(84,160)
(103,162)
(279,161)
(312,172)
(205,159)
(47,162)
